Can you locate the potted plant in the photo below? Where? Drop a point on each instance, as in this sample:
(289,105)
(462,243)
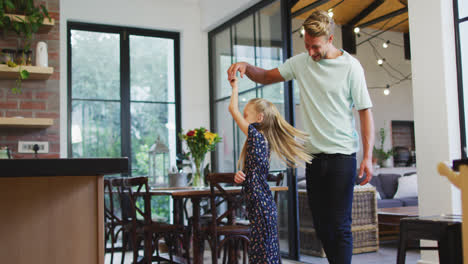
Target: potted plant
(24,27)
(383,157)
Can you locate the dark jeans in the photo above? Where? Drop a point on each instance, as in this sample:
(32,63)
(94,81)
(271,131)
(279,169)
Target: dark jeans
(330,185)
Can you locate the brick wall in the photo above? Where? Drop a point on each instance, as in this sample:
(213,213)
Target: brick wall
(39,98)
(403,134)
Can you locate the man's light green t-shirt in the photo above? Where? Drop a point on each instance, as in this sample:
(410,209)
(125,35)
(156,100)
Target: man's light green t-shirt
(329,89)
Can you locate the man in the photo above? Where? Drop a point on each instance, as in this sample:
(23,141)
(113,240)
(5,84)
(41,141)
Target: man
(331,83)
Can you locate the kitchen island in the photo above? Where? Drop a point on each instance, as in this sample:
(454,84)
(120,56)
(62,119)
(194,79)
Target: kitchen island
(52,210)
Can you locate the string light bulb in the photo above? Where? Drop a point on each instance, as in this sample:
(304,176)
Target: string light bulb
(385,44)
(302,32)
(330,12)
(380,61)
(387,90)
(357,30)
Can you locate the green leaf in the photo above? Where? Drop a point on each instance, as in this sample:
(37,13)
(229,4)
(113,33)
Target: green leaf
(9,4)
(24,74)
(44,10)
(34,27)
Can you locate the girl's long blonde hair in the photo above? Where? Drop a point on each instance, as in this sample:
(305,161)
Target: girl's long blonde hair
(280,135)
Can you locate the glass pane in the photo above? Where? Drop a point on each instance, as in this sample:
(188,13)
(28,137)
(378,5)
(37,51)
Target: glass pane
(283,218)
(150,121)
(221,60)
(462,8)
(152,69)
(95,130)
(95,65)
(224,127)
(269,39)
(244,48)
(464,62)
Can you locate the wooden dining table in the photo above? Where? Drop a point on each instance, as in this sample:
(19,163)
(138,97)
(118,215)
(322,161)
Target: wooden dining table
(195,194)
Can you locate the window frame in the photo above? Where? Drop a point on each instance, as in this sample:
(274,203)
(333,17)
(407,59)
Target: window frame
(461,102)
(286,32)
(124,33)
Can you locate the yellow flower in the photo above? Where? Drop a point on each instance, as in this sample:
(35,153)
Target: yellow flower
(210,137)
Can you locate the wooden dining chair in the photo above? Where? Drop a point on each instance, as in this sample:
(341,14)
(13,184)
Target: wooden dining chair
(277,179)
(113,223)
(143,228)
(222,232)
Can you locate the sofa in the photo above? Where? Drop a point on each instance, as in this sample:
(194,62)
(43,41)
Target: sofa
(396,187)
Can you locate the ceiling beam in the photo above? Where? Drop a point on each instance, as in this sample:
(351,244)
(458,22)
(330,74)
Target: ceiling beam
(384,17)
(364,13)
(309,7)
(292,3)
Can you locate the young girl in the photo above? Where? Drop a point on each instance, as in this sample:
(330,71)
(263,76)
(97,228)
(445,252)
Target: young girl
(266,131)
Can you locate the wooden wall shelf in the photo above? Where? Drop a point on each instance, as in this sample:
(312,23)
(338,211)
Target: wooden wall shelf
(35,72)
(46,26)
(26,122)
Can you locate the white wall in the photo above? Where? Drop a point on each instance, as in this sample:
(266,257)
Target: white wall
(176,15)
(398,105)
(435,105)
(216,12)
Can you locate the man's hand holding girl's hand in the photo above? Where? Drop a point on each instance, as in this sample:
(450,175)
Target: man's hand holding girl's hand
(233,82)
(239,177)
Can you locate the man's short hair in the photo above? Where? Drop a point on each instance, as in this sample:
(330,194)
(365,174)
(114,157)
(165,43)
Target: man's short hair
(318,24)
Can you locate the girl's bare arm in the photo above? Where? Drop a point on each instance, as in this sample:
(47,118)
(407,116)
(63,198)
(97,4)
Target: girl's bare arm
(234,108)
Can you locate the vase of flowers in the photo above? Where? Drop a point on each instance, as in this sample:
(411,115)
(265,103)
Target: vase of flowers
(199,142)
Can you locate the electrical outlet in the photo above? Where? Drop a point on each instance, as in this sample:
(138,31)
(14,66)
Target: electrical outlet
(28,146)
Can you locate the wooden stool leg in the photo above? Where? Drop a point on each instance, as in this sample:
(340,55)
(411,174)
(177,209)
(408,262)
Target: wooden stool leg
(401,256)
(450,247)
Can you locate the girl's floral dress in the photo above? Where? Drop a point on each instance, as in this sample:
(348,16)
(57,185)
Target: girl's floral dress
(261,208)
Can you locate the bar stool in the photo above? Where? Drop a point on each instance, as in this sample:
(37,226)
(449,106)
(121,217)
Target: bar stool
(445,229)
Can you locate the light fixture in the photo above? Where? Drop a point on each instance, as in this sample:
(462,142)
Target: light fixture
(330,12)
(387,90)
(385,44)
(380,61)
(356,30)
(302,32)
(244,99)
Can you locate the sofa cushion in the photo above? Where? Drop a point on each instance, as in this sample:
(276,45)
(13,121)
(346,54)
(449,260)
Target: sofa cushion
(409,201)
(375,181)
(387,203)
(407,187)
(386,184)
(302,184)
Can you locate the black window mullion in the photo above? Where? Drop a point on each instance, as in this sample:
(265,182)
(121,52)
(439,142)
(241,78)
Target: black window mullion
(461,103)
(177,83)
(235,139)
(69,91)
(293,212)
(125,96)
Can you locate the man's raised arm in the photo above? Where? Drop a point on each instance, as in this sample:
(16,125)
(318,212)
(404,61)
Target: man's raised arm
(254,73)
